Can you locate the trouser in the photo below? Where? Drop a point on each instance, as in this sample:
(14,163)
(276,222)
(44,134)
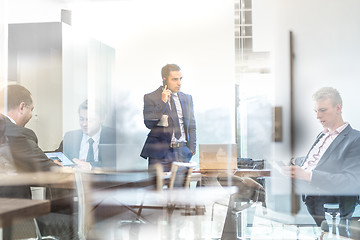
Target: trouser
(315,206)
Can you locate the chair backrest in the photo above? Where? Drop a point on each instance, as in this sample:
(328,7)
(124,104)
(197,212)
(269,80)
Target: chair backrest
(90,186)
(85,218)
(157,171)
(180,176)
(173,171)
(248,189)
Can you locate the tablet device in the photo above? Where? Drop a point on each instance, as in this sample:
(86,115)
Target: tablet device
(61,158)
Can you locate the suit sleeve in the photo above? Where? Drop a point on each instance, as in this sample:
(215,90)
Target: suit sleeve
(27,155)
(60,148)
(154,108)
(192,128)
(342,177)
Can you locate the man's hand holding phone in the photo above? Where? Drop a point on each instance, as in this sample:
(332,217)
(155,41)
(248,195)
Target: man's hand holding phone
(166,93)
(297,172)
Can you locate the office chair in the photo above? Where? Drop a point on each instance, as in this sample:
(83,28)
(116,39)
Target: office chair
(342,228)
(249,191)
(180,176)
(332,209)
(88,205)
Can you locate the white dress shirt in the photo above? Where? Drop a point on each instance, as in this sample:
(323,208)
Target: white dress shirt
(181,119)
(320,148)
(84,146)
(12,120)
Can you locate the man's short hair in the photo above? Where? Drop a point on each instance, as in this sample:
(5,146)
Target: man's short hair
(165,71)
(328,93)
(16,94)
(99,109)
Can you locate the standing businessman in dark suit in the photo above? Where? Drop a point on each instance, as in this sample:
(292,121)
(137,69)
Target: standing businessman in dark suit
(332,165)
(94,144)
(169,114)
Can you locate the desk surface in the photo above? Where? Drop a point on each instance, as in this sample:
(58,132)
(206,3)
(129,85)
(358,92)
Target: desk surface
(36,178)
(238,172)
(12,210)
(257,222)
(67,179)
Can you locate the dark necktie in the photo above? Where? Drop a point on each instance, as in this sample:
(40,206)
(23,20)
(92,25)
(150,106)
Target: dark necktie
(316,142)
(90,155)
(177,131)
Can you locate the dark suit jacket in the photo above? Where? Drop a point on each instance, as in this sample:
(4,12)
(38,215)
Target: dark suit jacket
(158,141)
(338,171)
(70,146)
(27,155)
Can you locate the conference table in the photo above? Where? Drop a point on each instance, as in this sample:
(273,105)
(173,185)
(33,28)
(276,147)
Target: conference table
(16,209)
(13,210)
(213,173)
(243,172)
(19,209)
(253,172)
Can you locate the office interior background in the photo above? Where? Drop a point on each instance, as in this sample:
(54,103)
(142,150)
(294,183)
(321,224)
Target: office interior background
(234,55)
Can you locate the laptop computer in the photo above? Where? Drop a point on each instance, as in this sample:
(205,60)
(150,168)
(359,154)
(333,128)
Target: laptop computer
(61,158)
(217,156)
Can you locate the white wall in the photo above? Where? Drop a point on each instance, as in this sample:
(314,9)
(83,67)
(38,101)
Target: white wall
(39,72)
(326,49)
(32,11)
(87,74)
(3,42)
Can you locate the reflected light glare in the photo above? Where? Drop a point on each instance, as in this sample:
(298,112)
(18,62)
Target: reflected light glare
(95,19)
(101,19)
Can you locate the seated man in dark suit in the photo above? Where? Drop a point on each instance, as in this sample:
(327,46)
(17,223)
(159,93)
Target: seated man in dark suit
(23,143)
(94,144)
(7,166)
(332,166)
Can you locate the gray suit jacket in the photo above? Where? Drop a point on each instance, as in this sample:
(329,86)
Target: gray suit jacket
(338,171)
(70,146)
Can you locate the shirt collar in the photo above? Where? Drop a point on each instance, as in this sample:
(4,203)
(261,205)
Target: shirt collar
(95,137)
(12,120)
(338,130)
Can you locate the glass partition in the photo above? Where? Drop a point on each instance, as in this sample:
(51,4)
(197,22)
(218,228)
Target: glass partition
(140,54)
(3,44)
(88,65)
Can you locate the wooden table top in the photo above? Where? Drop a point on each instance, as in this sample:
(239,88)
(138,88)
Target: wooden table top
(253,173)
(36,178)
(14,210)
(238,172)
